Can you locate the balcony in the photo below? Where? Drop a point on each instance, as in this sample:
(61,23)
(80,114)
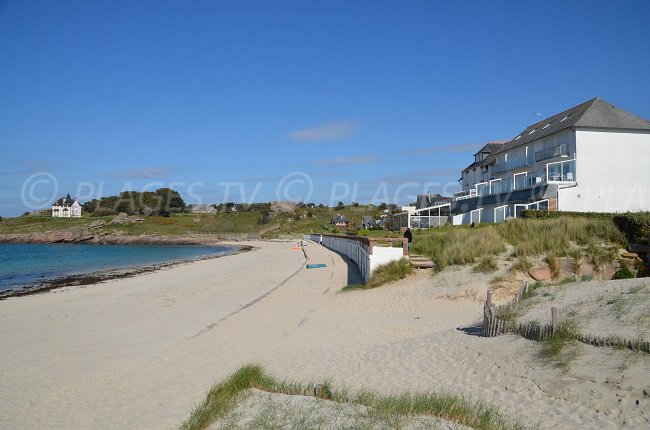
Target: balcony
(562,171)
(556,151)
(511,165)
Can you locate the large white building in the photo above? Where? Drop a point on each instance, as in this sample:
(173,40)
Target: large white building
(66,207)
(594,157)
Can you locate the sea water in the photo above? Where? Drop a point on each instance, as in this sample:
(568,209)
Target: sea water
(29,264)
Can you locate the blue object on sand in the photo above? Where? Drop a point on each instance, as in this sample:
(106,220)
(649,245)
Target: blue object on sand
(316,266)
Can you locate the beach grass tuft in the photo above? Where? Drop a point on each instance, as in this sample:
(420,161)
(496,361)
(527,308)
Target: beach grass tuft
(561,348)
(486,264)
(391,410)
(522,264)
(391,272)
(353,287)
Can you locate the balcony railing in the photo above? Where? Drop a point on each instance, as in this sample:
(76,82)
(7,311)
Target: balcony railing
(510,165)
(556,151)
(562,171)
(559,171)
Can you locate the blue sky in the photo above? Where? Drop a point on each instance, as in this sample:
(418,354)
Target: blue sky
(324,101)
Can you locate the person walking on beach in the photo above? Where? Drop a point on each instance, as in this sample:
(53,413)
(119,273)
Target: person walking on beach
(409,236)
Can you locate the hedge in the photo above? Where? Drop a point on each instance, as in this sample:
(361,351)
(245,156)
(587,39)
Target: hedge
(557,214)
(634,225)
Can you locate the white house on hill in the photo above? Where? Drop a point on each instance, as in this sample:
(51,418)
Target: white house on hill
(66,207)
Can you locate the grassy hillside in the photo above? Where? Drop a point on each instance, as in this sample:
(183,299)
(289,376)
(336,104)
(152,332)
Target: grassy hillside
(299,221)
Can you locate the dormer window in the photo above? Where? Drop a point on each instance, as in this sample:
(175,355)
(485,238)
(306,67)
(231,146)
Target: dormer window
(517,138)
(546,126)
(532,131)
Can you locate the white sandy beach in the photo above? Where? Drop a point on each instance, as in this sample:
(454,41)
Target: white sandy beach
(140,352)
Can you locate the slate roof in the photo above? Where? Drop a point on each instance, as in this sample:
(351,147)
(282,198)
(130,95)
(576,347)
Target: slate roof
(66,201)
(492,148)
(595,113)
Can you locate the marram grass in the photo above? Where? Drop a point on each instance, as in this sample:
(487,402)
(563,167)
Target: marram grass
(390,272)
(225,395)
(461,245)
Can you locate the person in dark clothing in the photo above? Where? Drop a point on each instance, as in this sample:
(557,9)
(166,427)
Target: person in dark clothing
(409,236)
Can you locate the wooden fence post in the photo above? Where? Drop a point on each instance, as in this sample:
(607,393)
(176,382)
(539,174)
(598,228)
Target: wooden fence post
(488,317)
(553,319)
(526,288)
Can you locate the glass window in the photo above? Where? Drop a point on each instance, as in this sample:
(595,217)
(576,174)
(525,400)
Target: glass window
(475,216)
(518,210)
(554,172)
(520,181)
(500,214)
(569,171)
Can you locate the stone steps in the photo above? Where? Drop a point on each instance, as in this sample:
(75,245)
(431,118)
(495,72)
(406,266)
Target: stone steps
(420,261)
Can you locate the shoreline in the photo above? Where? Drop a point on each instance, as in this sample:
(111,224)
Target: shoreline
(91,358)
(101,276)
(88,236)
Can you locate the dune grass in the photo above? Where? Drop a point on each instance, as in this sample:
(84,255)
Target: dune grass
(561,348)
(486,264)
(528,237)
(391,272)
(225,395)
(353,287)
(448,246)
(522,264)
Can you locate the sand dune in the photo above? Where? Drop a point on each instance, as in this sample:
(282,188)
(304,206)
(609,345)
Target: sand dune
(138,353)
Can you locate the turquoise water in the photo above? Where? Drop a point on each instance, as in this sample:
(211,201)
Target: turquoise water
(29,264)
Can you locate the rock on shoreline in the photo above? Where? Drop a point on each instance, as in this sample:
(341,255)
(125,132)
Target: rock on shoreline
(87,235)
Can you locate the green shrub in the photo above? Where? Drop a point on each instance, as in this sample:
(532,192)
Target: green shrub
(563,214)
(623,272)
(635,226)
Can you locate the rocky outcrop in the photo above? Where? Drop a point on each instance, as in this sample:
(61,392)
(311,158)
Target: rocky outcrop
(71,235)
(123,218)
(87,235)
(96,224)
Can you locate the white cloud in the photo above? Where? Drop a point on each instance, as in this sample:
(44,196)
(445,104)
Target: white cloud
(335,130)
(361,159)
